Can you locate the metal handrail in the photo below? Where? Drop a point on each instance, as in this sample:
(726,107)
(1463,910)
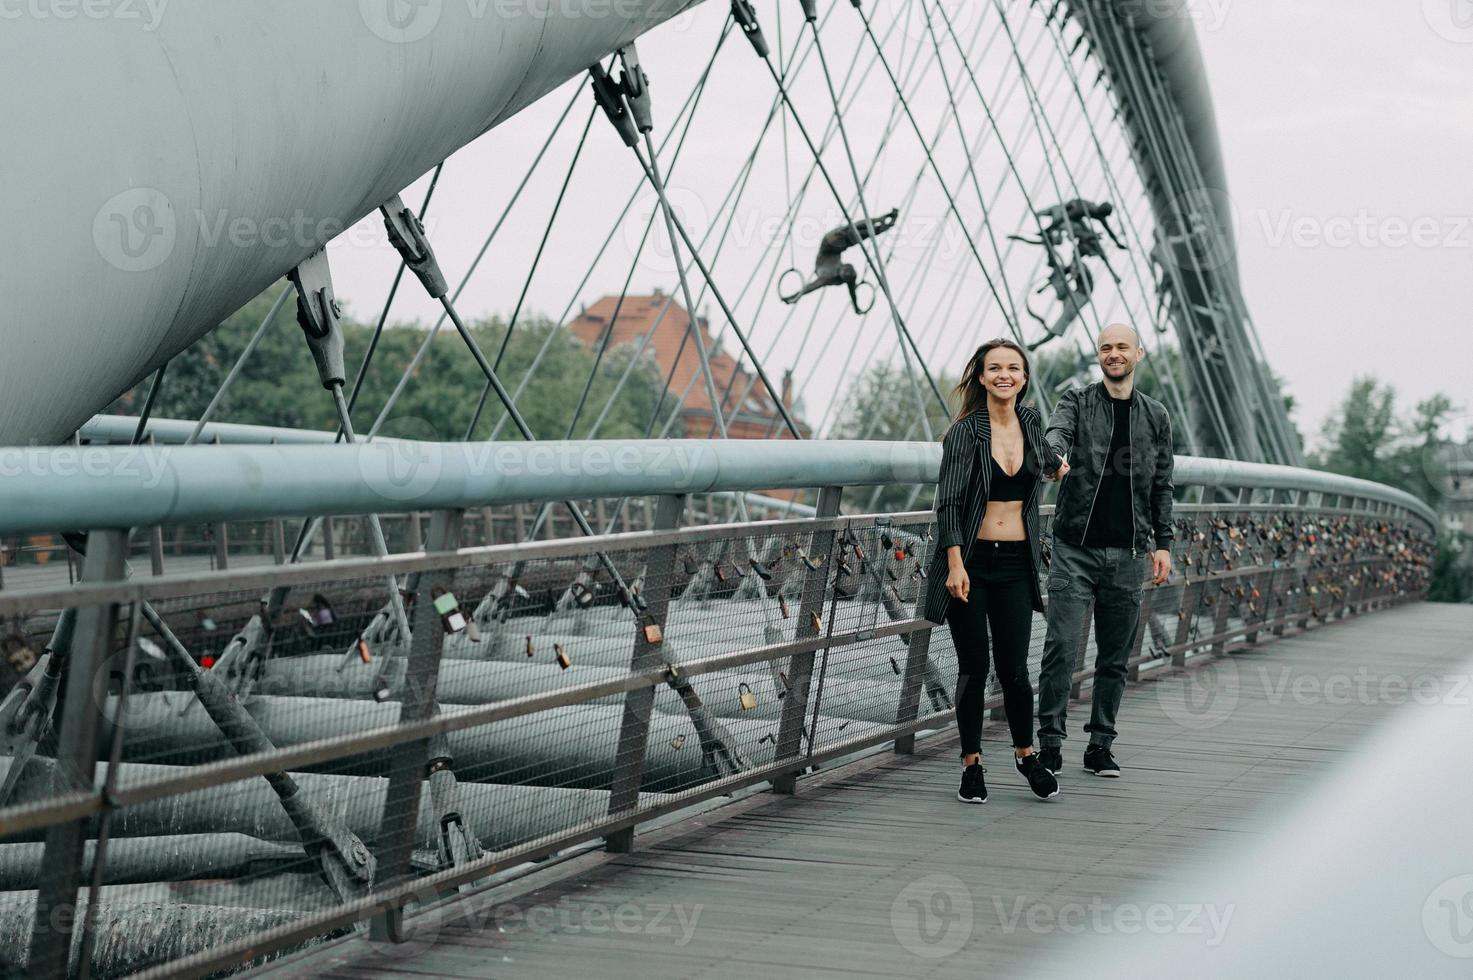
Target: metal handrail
(138,486)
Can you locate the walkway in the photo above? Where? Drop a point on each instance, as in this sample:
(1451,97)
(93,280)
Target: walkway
(877,870)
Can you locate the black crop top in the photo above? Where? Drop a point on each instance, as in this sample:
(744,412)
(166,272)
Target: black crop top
(1015,487)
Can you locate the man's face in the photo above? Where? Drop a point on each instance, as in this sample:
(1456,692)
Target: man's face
(1120,351)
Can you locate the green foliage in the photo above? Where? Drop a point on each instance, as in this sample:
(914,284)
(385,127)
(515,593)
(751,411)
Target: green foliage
(1365,438)
(1452,575)
(279,384)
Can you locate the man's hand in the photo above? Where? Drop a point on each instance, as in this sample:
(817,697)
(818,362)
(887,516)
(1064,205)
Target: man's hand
(1160,566)
(1063,469)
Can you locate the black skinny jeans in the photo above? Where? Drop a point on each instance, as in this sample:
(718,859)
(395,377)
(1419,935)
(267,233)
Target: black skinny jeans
(1002,598)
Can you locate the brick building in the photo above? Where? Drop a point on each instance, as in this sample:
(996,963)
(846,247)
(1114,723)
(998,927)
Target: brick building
(756,418)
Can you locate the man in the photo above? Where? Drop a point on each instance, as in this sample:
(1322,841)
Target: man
(1113,517)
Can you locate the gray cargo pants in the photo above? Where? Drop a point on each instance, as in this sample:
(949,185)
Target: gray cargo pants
(1113,580)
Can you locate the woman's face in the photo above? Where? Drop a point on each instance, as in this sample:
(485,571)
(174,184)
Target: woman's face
(1002,373)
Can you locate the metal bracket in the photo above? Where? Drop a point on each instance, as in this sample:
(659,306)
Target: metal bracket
(318,314)
(609,95)
(636,86)
(745,16)
(407,235)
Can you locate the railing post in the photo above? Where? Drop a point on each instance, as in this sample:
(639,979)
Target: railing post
(917,658)
(400,820)
(634,727)
(1191,595)
(800,666)
(329,546)
(1266,596)
(156,549)
(222,545)
(76,757)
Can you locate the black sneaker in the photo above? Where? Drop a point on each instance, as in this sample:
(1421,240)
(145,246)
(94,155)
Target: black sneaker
(1051,757)
(1040,780)
(1098,760)
(974,787)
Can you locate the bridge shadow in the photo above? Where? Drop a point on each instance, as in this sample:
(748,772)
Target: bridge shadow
(875,868)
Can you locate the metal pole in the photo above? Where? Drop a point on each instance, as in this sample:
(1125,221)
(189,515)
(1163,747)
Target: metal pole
(800,666)
(407,768)
(634,729)
(76,757)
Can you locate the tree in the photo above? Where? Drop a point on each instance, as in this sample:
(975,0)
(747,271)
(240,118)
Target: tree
(1364,438)
(1359,435)
(279,384)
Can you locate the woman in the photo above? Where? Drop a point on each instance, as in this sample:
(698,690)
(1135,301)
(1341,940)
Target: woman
(984,572)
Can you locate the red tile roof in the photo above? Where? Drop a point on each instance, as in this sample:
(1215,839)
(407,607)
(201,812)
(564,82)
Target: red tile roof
(638,314)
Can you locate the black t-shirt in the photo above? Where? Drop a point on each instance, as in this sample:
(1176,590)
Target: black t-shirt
(1110,523)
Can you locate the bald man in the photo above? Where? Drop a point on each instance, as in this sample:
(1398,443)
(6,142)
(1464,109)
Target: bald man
(1112,528)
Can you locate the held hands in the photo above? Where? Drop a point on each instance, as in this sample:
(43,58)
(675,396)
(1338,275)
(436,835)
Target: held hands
(1160,566)
(1063,469)
(958,584)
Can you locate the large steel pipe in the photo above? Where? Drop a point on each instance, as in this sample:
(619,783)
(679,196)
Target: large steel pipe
(174,159)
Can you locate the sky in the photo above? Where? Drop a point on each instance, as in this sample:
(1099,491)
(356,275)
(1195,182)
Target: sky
(1347,132)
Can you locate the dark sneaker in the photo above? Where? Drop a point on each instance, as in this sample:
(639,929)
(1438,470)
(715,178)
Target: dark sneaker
(974,787)
(1040,780)
(1098,760)
(1051,757)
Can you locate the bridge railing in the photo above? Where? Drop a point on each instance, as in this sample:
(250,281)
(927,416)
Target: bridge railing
(202,804)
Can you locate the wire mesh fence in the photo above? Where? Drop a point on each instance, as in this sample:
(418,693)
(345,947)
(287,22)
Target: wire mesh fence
(268,756)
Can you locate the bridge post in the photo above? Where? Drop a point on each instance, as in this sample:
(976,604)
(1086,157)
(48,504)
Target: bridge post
(408,760)
(800,666)
(634,728)
(917,657)
(76,756)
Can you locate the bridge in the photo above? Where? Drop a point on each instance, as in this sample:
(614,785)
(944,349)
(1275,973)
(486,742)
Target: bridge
(615,664)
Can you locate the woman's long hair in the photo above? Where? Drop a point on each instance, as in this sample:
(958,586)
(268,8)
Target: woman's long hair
(973,394)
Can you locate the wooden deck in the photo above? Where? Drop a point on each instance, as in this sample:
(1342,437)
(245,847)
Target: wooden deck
(877,870)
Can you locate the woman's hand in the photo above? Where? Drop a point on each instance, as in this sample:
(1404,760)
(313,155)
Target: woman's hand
(957,582)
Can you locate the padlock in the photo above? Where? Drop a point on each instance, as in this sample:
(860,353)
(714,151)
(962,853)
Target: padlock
(782,604)
(816,621)
(529,644)
(652,633)
(886,541)
(762,570)
(745,695)
(582,594)
(677,741)
(563,660)
(894,666)
(363,653)
(720,575)
(18,654)
(809,563)
(380,688)
(449,609)
(472,631)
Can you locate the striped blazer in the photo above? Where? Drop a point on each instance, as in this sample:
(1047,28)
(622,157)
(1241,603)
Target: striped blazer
(961,498)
